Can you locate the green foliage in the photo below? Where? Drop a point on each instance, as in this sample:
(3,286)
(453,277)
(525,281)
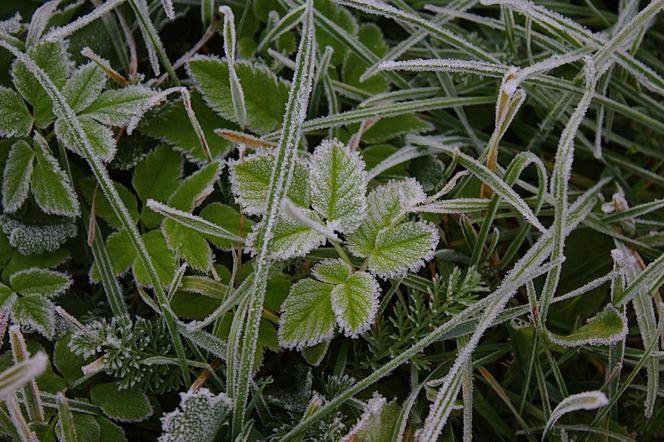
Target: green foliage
(321,221)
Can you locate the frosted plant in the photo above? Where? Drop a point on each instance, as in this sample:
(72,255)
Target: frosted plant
(589,400)
(198,417)
(31,239)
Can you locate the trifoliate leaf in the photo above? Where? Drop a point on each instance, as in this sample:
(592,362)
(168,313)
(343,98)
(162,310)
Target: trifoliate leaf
(36,281)
(198,417)
(52,57)
(338,185)
(84,86)
(385,205)
(250,179)
(15,120)
(51,187)
(228,218)
(162,260)
(36,312)
(17,176)
(121,405)
(332,271)
(116,107)
(101,137)
(306,317)
(265,95)
(402,248)
(289,238)
(156,176)
(607,327)
(172,125)
(355,303)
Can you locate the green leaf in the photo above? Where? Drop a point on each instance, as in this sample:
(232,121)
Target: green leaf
(116,107)
(388,128)
(198,417)
(121,405)
(332,271)
(40,281)
(353,67)
(607,327)
(377,422)
(51,187)
(162,260)
(109,431)
(338,186)
(386,204)
(188,244)
(120,251)
(15,120)
(66,428)
(87,428)
(102,207)
(172,125)
(36,312)
(289,238)
(156,176)
(195,188)
(53,59)
(84,86)
(102,140)
(355,303)
(250,179)
(7,296)
(402,248)
(17,176)
(265,95)
(307,317)
(229,219)
(68,364)
(341,17)
(314,355)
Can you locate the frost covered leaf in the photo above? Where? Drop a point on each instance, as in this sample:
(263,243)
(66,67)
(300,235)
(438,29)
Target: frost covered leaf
(589,400)
(51,187)
(37,239)
(53,58)
(290,238)
(227,218)
(250,180)
(197,419)
(171,125)
(117,107)
(355,303)
(376,423)
(37,281)
(332,271)
(17,176)
(338,185)
(185,242)
(122,405)
(36,312)
(84,86)
(102,141)
(307,317)
(15,120)
(607,327)
(385,205)
(402,248)
(265,95)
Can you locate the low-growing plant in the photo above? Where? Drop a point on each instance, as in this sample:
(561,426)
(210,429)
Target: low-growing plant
(331,220)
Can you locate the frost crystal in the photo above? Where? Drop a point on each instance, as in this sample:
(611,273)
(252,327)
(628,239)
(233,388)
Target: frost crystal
(198,417)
